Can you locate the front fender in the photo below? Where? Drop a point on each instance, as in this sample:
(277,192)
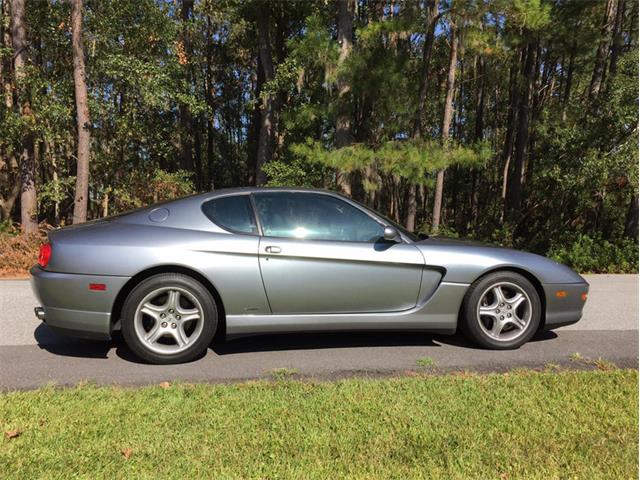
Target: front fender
(465,263)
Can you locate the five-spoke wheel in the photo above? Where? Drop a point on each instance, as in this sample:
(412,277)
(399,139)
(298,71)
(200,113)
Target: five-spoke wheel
(169,318)
(501,310)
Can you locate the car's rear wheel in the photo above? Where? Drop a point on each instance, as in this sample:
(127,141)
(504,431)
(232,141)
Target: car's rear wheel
(501,311)
(169,318)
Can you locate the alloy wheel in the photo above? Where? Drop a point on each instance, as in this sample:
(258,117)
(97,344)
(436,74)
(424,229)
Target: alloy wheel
(504,311)
(168,320)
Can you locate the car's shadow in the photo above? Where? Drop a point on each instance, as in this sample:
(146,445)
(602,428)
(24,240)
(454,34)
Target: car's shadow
(458,340)
(320,341)
(61,345)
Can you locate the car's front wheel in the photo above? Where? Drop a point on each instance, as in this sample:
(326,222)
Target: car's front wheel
(169,318)
(501,311)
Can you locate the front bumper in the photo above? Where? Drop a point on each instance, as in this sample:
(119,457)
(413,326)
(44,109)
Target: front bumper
(70,307)
(564,309)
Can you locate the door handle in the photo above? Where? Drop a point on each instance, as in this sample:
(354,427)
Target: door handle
(272,249)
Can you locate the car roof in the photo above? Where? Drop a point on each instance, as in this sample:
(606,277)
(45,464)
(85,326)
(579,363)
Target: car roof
(226,191)
(223,192)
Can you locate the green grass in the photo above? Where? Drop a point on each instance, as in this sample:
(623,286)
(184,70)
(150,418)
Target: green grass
(425,362)
(283,373)
(572,424)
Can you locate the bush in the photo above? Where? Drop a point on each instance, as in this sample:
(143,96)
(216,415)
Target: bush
(8,228)
(19,253)
(593,254)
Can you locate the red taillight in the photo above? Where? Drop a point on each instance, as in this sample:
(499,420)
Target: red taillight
(45,254)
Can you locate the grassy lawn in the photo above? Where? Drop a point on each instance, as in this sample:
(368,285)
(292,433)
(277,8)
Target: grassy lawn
(517,425)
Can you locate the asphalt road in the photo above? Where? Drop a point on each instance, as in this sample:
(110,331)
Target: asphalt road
(32,355)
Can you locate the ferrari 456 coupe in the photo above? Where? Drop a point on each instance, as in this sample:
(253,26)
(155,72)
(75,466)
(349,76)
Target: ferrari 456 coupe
(173,276)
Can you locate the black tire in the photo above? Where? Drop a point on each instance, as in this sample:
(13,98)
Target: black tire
(184,282)
(470,322)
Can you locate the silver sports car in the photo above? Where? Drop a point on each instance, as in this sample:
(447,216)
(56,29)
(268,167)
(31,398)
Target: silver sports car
(172,276)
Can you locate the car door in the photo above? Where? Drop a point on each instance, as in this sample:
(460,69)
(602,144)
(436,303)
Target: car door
(320,254)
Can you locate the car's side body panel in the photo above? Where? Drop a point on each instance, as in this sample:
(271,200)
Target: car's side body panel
(465,261)
(71,306)
(230,262)
(437,314)
(309,277)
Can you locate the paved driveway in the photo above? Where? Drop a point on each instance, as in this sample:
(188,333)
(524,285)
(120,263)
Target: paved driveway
(32,355)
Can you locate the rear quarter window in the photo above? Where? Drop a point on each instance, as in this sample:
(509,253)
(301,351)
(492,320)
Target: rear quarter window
(232,213)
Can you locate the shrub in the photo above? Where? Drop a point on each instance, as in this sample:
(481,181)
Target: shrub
(18,253)
(593,254)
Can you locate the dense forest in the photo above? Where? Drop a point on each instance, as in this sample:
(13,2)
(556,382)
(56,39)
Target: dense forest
(512,121)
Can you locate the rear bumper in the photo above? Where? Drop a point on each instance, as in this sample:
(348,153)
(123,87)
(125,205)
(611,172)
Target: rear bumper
(563,310)
(68,305)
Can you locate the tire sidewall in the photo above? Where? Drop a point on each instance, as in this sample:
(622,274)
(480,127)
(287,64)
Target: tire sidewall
(470,325)
(210,317)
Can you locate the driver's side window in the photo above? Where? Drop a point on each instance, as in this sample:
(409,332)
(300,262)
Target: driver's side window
(311,216)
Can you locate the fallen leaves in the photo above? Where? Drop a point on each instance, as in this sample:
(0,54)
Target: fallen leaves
(12,434)
(126,453)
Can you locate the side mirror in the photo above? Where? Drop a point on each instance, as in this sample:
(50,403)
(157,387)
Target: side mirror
(391,234)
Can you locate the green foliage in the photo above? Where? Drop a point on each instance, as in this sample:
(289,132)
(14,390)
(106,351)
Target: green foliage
(8,228)
(503,236)
(294,174)
(56,191)
(414,161)
(531,15)
(593,254)
(444,231)
(144,187)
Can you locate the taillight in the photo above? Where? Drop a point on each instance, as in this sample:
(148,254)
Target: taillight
(45,254)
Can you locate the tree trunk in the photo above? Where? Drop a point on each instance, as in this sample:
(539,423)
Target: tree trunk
(9,184)
(265,136)
(82,116)
(7,84)
(28,197)
(412,208)
(253,135)
(478,137)
(343,136)
(507,150)
(446,125)
(480,100)
(432,14)
(599,69)
(197,148)
(631,222)
(514,191)
(617,37)
(210,99)
(567,88)
(105,204)
(186,119)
